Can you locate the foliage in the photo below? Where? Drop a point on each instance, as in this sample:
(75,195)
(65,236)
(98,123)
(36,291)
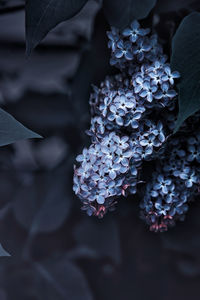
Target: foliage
(42,16)
(55,248)
(121,13)
(185,59)
(133,103)
(11,130)
(171,5)
(54,201)
(3,252)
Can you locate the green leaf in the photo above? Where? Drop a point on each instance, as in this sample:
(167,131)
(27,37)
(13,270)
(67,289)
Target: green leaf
(172,5)
(186,59)
(53,278)
(61,280)
(3,252)
(11,130)
(44,15)
(120,13)
(44,206)
(102,238)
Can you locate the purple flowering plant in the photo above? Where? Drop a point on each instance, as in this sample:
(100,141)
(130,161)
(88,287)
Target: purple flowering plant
(133,118)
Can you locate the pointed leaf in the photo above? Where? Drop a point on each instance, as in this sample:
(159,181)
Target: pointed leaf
(171,5)
(44,15)
(102,238)
(186,60)
(43,206)
(121,13)
(3,252)
(55,278)
(63,280)
(11,130)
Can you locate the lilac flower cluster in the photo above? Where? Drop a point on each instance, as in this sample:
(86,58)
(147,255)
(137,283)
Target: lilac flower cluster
(128,128)
(132,45)
(106,171)
(174,184)
(143,88)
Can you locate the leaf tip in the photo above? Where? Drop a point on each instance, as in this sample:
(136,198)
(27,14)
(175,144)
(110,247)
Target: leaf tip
(36,135)
(28,51)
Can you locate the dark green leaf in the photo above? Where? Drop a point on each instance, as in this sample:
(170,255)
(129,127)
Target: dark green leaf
(44,15)
(186,60)
(3,252)
(63,280)
(120,13)
(44,206)
(102,238)
(91,69)
(11,130)
(172,5)
(56,278)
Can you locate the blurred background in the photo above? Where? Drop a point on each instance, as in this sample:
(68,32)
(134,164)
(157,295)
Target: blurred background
(57,251)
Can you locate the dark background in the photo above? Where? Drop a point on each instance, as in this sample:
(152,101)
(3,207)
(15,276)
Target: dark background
(57,252)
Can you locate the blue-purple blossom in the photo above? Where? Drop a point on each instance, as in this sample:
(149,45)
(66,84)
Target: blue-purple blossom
(134,31)
(124,49)
(141,48)
(132,120)
(169,75)
(104,168)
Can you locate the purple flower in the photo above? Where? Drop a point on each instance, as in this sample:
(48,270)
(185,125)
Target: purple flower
(124,49)
(134,31)
(165,92)
(116,115)
(141,48)
(113,36)
(169,75)
(163,184)
(148,91)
